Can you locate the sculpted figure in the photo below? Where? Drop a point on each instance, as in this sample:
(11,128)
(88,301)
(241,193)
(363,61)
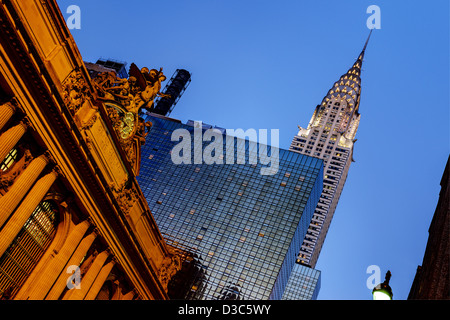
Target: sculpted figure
(104,81)
(145,98)
(136,92)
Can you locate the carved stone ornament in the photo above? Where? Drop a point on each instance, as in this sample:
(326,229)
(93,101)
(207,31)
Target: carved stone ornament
(170,266)
(90,122)
(75,91)
(132,94)
(123,99)
(8,177)
(125,197)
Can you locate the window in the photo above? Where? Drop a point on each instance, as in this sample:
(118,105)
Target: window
(9,160)
(19,260)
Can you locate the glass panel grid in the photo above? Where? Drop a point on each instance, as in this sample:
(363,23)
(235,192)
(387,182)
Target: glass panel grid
(242,229)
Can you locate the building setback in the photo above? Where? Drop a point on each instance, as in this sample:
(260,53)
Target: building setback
(303,284)
(241,230)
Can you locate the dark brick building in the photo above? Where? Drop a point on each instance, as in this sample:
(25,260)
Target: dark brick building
(432,277)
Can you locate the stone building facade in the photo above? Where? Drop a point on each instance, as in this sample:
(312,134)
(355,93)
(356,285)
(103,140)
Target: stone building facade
(73,221)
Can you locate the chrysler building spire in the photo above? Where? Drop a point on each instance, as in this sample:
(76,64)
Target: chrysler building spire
(348,90)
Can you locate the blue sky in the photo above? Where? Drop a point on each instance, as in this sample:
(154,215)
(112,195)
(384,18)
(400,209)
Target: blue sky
(267,64)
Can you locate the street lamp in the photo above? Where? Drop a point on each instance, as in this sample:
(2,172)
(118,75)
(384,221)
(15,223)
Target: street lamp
(383,291)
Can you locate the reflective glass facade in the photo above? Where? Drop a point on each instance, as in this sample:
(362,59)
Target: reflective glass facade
(303,284)
(242,230)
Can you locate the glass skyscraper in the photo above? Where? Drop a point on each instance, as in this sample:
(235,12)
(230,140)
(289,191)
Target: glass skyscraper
(241,230)
(303,284)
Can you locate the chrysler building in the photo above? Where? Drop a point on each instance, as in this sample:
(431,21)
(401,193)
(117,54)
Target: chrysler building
(330,136)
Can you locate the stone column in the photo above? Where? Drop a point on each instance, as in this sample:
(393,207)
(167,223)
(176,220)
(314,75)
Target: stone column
(88,279)
(9,139)
(99,281)
(21,186)
(24,211)
(75,260)
(6,112)
(51,272)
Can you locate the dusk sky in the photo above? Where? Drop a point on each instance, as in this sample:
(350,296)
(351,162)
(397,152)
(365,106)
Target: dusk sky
(267,64)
